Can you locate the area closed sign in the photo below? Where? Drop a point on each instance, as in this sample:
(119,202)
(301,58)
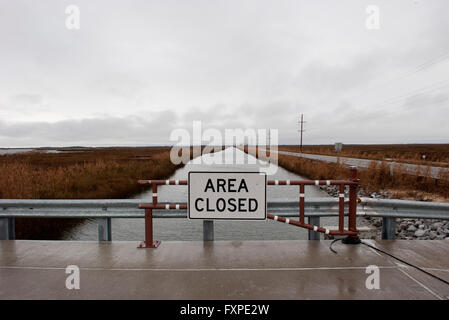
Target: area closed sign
(227,195)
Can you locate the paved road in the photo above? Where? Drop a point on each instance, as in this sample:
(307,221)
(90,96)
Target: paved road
(222,270)
(433,172)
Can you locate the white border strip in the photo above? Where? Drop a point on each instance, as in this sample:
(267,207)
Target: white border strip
(202,269)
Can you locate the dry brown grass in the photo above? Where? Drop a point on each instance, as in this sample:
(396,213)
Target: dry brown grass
(78,173)
(416,195)
(91,174)
(373,179)
(436,154)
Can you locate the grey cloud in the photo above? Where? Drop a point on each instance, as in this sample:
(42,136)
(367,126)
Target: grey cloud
(26,98)
(437,103)
(320,76)
(135,71)
(96,131)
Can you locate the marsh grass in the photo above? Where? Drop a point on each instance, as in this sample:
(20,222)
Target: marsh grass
(373,179)
(104,173)
(435,154)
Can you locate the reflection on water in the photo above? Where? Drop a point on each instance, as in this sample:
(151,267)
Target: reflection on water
(12,151)
(184,229)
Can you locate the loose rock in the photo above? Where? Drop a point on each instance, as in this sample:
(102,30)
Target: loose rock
(421,233)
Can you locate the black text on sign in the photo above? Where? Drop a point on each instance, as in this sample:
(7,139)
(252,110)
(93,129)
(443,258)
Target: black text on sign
(227,195)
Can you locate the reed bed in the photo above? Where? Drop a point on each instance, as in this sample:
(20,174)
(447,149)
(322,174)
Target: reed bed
(376,178)
(435,154)
(104,173)
(30,178)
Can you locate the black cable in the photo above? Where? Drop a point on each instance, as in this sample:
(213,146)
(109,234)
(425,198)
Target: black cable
(405,262)
(330,247)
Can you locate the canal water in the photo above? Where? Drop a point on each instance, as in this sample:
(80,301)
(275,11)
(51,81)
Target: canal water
(13,151)
(185,229)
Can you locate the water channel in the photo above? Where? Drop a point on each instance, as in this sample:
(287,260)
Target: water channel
(185,229)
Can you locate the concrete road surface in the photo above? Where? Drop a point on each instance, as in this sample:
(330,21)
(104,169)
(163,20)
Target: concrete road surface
(222,270)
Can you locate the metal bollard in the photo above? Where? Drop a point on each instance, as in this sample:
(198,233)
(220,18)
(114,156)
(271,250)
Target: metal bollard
(104,229)
(315,221)
(208,230)
(388,228)
(7,229)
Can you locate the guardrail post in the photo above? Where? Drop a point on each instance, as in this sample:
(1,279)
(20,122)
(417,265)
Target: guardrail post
(314,221)
(7,229)
(352,215)
(208,230)
(104,229)
(4,230)
(388,228)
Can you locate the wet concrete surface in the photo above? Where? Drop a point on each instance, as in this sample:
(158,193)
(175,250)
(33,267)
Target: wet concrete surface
(433,172)
(222,270)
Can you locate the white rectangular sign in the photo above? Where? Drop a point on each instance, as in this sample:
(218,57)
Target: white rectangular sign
(227,195)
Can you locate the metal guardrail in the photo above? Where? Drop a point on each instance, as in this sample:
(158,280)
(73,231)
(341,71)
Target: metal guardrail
(105,210)
(391,209)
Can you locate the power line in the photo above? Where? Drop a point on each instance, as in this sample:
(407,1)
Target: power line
(417,69)
(301,130)
(412,93)
(424,66)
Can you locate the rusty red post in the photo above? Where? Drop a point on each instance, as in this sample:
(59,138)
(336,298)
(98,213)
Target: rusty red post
(154,190)
(148,226)
(352,201)
(149,243)
(301,203)
(352,216)
(341,208)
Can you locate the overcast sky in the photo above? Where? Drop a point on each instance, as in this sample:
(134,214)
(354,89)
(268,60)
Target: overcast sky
(135,70)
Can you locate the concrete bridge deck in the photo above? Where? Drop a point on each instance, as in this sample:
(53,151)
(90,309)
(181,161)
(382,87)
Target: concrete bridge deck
(222,270)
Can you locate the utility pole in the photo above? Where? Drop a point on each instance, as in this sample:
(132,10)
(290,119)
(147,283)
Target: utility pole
(269,138)
(301,130)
